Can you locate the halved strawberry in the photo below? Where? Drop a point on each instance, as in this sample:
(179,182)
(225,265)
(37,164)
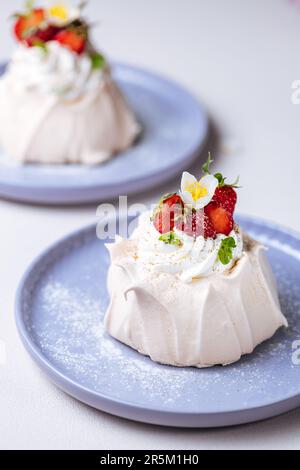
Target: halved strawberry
(195,224)
(162,222)
(169,209)
(209,230)
(226,197)
(32,28)
(74,39)
(221,219)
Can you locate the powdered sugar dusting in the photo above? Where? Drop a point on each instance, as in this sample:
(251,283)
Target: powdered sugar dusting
(65,318)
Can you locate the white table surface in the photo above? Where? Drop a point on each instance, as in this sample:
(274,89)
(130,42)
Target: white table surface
(240,58)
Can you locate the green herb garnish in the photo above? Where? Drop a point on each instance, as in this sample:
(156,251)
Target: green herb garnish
(170,239)
(42,45)
(225,253)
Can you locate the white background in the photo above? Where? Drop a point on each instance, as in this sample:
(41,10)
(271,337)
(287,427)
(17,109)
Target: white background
(240,58)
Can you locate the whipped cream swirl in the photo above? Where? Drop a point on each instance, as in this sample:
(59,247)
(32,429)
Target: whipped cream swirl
(56,70)
(196,257)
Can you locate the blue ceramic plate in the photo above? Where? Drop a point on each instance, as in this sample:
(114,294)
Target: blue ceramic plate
(59,311)
(174,131)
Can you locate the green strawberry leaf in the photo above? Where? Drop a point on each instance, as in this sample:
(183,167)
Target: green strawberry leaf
(221,179)
(225,254)
(235,184)
(170,239)
(218,176)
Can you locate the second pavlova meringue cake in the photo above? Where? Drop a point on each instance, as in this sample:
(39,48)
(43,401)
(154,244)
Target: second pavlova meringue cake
(58,101)
(189,288)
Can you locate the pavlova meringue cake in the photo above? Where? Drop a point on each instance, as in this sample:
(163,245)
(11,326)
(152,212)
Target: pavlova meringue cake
(189,288)
(58,102)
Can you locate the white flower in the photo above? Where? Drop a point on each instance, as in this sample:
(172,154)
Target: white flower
(60,13)
(198,193)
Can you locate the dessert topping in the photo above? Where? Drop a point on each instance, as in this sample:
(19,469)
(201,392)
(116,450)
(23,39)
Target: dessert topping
(35,27)
(73,38)
(32,28)
(202,207)
(196,193)
(170,207)
(225,254)
(226,197)
(170,239)
(196,223)
(221,220)
(61,14)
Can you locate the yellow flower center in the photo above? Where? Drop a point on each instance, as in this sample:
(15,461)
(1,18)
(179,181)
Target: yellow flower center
(197,190)
(59,11)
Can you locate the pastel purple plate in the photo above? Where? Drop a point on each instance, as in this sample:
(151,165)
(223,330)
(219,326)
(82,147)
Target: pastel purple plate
(59,312)
(174,130)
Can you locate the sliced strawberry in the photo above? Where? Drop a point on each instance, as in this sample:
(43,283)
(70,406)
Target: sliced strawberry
(73,39)
(169,209)
(173,200)
(26,23)
(195,224)
(226,197)
(163,222)
(209,230)
(33,28)
(221,220)
(191,223)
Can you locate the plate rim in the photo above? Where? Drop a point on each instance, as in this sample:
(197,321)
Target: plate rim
(123,408)
(131,185)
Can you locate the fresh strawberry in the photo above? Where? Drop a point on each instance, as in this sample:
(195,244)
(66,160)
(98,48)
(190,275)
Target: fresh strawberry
(173,200)
(221,219)
(73,39)
(209,230)
(32,28)
(162,221)
(226,197)
(170,208)
(187,223)
(195,224)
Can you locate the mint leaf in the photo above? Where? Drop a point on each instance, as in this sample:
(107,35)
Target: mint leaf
(170,239)
(98,61)
(207,164)
(225,253)
(42,45)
